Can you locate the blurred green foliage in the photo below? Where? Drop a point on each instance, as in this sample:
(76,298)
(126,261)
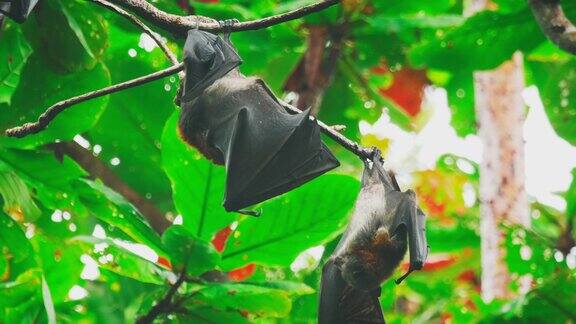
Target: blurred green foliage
(74,250)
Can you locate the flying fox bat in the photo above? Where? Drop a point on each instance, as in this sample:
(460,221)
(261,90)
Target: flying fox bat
(17,10)
(385,221)
(237,121)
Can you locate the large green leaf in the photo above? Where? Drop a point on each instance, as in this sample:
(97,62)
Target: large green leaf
(17,199)
(557,85)
(111,255)
(130,129)
(483,42)
(12,60)
(188,252)
(551,302)
(395,24)
(16,292)
(197,184)
(12,239)
(112,208)
(307,216)
(42,168)
(60,264)
(40,88)
(69,35)
(390,7)
(255,300)
(50,178)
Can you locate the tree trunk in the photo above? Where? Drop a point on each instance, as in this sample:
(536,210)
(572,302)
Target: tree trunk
(500,116)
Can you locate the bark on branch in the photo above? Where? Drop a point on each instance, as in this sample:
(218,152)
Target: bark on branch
(97,169)
(169,54)
(51,113)
(179,25)
(164,305)
(554,23)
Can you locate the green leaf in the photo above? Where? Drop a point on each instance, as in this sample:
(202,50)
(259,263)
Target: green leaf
(209,314)
(130,129)
(390,7)
(460,90)
(307,216)
(396,24)
(570,197)
(4,265)
(40,88)
(60,263)
(17,199)
(197,184)
(112,208)
(529,253)
(18,291)
(41,168)
(112,255)
(444,239)
(483,42)
(12,60)
(68,35)
(187,251)
(557,85)
(292,288)
(255,300)
(13,239)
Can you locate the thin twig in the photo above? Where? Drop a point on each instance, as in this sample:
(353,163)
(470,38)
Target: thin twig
(51,113)
(164,305)
(171,56)
(360,151)
(554,23)
(179,25)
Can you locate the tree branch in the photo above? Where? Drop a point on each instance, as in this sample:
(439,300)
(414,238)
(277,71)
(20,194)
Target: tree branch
(360,151)
(171,56)
(179,25)
(554,23)
(164,305)
(51,113)
(97,169)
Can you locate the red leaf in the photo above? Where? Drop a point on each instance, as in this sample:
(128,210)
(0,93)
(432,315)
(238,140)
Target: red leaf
(446,318)
(407,89)
(219,240)
(242,273)
(164,262)
(434,265)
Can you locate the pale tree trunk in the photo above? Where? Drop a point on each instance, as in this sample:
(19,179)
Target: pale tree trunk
(500,115)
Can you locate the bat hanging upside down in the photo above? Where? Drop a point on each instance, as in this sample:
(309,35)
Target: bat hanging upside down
(237,121)
(385,221)
(18,10)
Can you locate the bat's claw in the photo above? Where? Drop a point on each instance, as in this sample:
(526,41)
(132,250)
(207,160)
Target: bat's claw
(227,24)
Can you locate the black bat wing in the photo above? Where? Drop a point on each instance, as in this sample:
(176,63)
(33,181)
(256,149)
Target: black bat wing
(17,10)
(413,219)
(266,150)
(341,303)
(270,151)
(409,215)
(207,57)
